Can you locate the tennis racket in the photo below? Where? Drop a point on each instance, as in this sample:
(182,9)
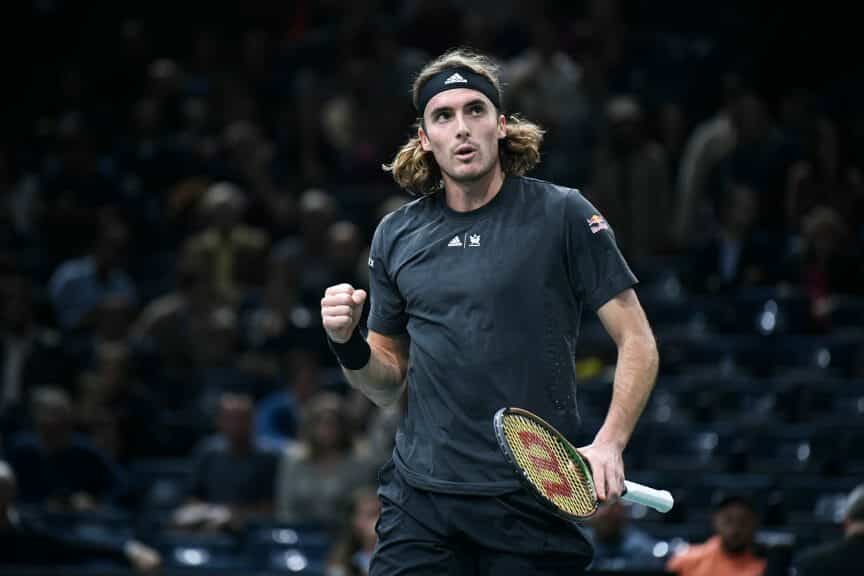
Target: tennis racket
(551,468)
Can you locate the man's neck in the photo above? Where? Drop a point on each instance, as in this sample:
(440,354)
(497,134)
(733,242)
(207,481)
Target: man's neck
(467,196)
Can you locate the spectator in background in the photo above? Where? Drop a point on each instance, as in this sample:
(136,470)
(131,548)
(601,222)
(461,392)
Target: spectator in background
(233,479)
(672,131)
(362,112)
(737,254)
(146,161)
(708,143)
(25,542)
(233,253)
(344,247)
(546,85)
(57,467)
(247,158)
(19,210)
(70,189)
(116,409)
(352,552)
(846,556)
(30,354)
(730,552)
(618,545)
(168,334)
(277,414)
(318,211)
(219,369)
(828,264)
(756,158)
(79,286)
(315,482)
(824,177)
(630,183)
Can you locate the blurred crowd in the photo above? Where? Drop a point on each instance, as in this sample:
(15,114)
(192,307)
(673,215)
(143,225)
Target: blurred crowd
(175,197)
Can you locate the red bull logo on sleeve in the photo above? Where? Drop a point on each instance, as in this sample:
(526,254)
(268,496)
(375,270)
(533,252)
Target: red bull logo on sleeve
(597,223)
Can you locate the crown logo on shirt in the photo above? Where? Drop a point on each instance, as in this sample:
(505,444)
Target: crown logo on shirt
(474,240)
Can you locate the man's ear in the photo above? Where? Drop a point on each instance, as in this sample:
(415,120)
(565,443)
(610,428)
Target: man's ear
(502,126)
(424,140)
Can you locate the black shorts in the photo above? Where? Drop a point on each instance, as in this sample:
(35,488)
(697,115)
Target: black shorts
(422,532)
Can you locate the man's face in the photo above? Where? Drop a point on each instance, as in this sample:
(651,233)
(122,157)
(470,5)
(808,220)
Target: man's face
(462,128)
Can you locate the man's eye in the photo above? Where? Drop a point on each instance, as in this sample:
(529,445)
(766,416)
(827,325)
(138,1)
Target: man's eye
(442,116)
(477,110)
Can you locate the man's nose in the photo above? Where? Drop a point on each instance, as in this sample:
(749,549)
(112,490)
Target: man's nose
(462,130)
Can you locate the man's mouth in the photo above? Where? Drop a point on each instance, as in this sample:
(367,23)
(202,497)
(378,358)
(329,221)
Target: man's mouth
(465,152)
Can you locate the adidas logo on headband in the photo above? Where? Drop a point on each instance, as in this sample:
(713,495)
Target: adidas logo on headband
(456,78)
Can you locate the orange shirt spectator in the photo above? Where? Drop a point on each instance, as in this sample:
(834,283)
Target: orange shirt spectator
(730,551)
(710,559)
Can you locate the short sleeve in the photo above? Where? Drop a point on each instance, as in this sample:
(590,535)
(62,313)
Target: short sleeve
(386,304)
(597,270)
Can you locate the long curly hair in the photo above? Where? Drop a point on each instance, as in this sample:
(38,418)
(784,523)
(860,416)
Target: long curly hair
(417,171)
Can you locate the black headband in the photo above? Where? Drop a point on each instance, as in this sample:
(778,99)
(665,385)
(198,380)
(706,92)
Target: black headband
(451,78)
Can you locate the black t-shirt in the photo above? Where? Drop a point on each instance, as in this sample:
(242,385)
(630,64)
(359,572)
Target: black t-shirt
(491,300)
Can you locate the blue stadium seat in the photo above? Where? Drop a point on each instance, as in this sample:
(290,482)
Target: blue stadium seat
(727,400)
(848,404)
(816,501)
(108,526)
(698,492)
(829,356)
(685,448)
(299,548)
(203,552)
(160,484)
(293,561)
(759,310)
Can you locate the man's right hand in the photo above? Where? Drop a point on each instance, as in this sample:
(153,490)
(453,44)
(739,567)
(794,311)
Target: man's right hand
(341,309)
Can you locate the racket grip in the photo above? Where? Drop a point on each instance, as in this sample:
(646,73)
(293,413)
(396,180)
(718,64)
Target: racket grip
(659,500)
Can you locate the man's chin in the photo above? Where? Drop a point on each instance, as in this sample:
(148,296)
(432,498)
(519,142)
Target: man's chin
(469,176)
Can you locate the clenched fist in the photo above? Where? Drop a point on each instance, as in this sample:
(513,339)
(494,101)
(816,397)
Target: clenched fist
(341,309)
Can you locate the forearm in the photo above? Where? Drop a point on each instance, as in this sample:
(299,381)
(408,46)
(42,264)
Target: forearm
(635,375)
(381,380)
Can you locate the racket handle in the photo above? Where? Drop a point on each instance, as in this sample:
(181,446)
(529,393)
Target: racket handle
(659,500)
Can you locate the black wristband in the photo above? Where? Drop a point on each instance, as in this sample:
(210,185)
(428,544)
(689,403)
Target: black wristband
(353,354)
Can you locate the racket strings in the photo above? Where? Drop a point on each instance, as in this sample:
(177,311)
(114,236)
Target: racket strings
(548,466)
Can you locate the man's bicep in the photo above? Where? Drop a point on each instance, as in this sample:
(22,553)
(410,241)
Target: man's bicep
(623,316)
(394,346)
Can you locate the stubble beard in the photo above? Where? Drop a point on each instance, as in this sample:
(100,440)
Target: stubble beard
(471,178)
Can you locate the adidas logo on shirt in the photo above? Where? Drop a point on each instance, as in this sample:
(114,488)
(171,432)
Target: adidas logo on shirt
(455,242)
(455,78)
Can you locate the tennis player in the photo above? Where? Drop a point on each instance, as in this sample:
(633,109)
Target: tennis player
(477,289)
